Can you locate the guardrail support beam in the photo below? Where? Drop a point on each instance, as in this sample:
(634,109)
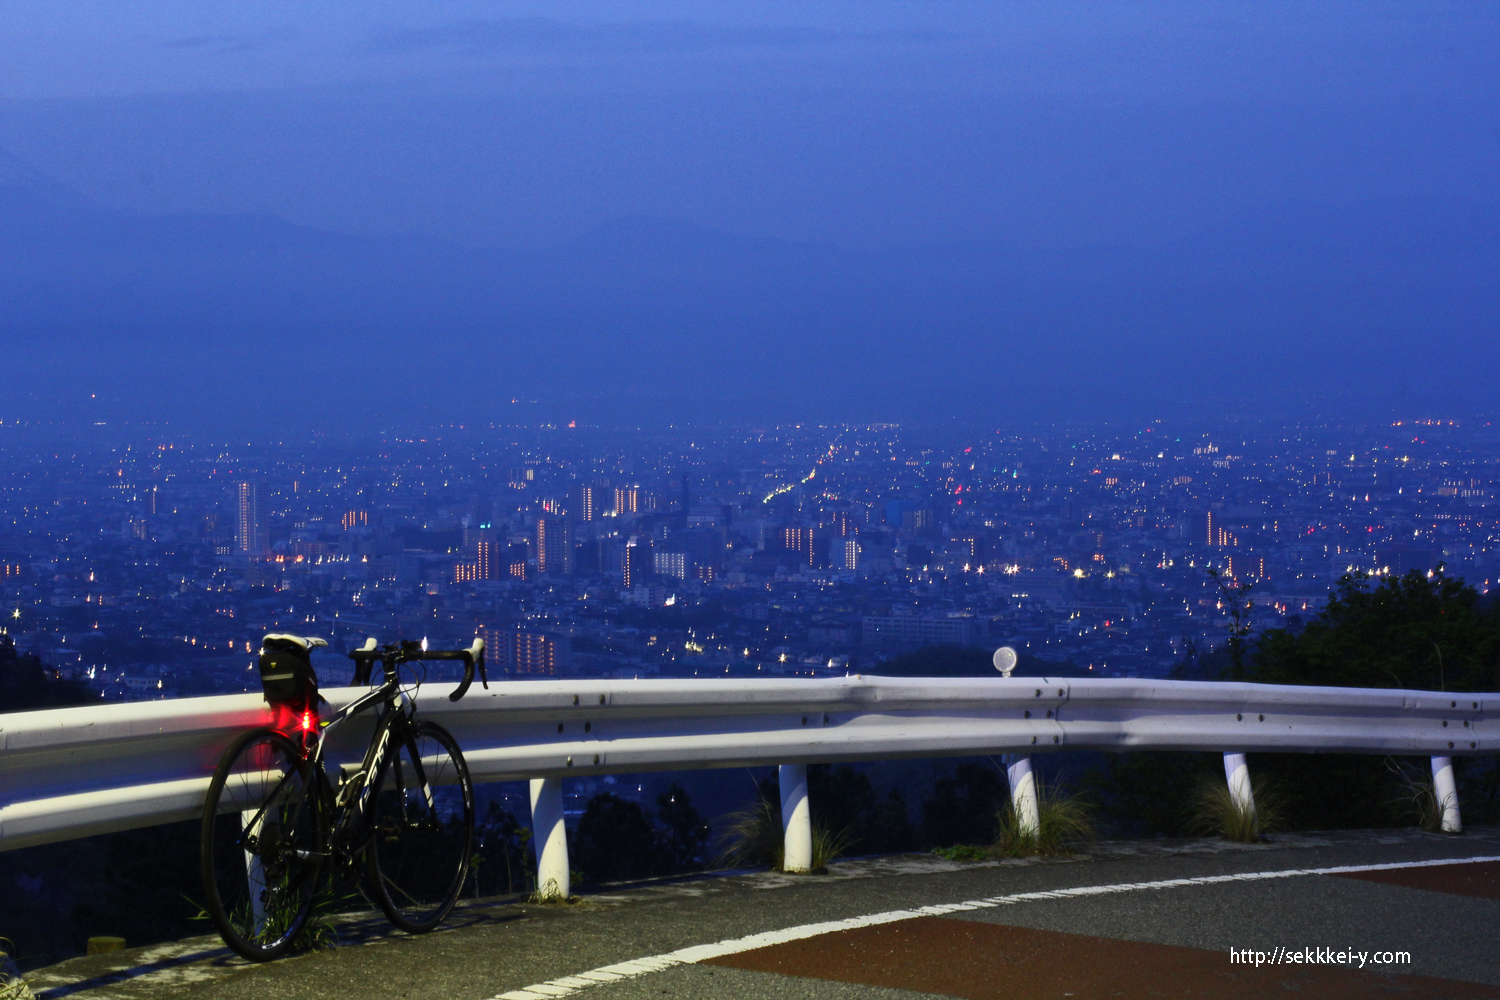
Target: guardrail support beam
(1237,773)
(1445,791)
(796,819)
(1023,797)
(550,838)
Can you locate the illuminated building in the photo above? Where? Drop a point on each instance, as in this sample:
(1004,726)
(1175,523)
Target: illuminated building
(907,631)
(554,546)
(489,560)
(673,564)
(799,540)
(627,501)
(1253,566)
(585,503)
(251,536)
(635,562)
(539,654)
(356,519)
(920,520)
(523,653)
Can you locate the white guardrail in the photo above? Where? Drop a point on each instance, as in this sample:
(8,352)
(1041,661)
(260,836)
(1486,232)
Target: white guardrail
(74,772)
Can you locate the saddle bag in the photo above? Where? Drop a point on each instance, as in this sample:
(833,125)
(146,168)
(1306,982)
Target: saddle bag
(286,674)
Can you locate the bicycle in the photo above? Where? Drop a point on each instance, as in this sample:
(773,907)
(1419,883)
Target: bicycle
(274,826)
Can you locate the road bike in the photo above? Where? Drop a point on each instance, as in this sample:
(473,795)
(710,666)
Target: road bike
(275,827)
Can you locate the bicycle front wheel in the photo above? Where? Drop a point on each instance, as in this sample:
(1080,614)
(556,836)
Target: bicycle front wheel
(261,844)
(422,817)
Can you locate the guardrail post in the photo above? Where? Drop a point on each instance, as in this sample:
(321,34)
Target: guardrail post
(1023,799)
(1445,790)
(254,873)
(550,838)
(796,819)
(1237,773)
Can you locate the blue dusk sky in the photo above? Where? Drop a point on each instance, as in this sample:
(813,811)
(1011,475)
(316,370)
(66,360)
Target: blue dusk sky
(845,211)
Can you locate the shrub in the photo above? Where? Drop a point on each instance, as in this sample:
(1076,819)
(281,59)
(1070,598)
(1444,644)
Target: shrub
(1415,795)
(1215,812)
(754,836)
(683,836)
(1066,822)
(614,840)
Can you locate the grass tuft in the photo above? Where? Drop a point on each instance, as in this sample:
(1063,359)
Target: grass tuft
(964,852)
(546,894)
(1215,812)
(12,985)
(828,845)
(319,933)
(1066,823)
(1415,795)
(753,836)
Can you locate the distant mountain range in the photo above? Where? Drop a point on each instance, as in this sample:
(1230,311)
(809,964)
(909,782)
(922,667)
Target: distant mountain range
(248,317)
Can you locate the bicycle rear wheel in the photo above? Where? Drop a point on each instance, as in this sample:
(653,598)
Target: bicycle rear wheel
(422,818)
(263,831)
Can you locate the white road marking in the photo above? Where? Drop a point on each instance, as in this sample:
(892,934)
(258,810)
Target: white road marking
(568,985)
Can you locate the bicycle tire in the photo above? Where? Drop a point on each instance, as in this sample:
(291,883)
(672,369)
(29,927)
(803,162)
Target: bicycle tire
(260,882)
(419,853)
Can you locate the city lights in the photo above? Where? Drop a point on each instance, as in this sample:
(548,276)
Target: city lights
(589,564)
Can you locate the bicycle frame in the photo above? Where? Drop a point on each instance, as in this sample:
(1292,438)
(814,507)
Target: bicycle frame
(348,822)
(348,810)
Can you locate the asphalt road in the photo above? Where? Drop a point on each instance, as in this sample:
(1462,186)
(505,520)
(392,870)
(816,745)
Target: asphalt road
(1099,925)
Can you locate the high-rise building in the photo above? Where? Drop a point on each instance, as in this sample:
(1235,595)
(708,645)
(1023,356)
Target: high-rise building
(492,560)
(252,537)
(1251,565)
(843,553)
(842,523)
(539,654)
(554,546)
(522,653)
(585,503)
(801,540)
(880,630)
(920,520)
(676,565)
(476,531)
(497,646)
(627,501)
(704,546)
(635,562)
(355,519)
